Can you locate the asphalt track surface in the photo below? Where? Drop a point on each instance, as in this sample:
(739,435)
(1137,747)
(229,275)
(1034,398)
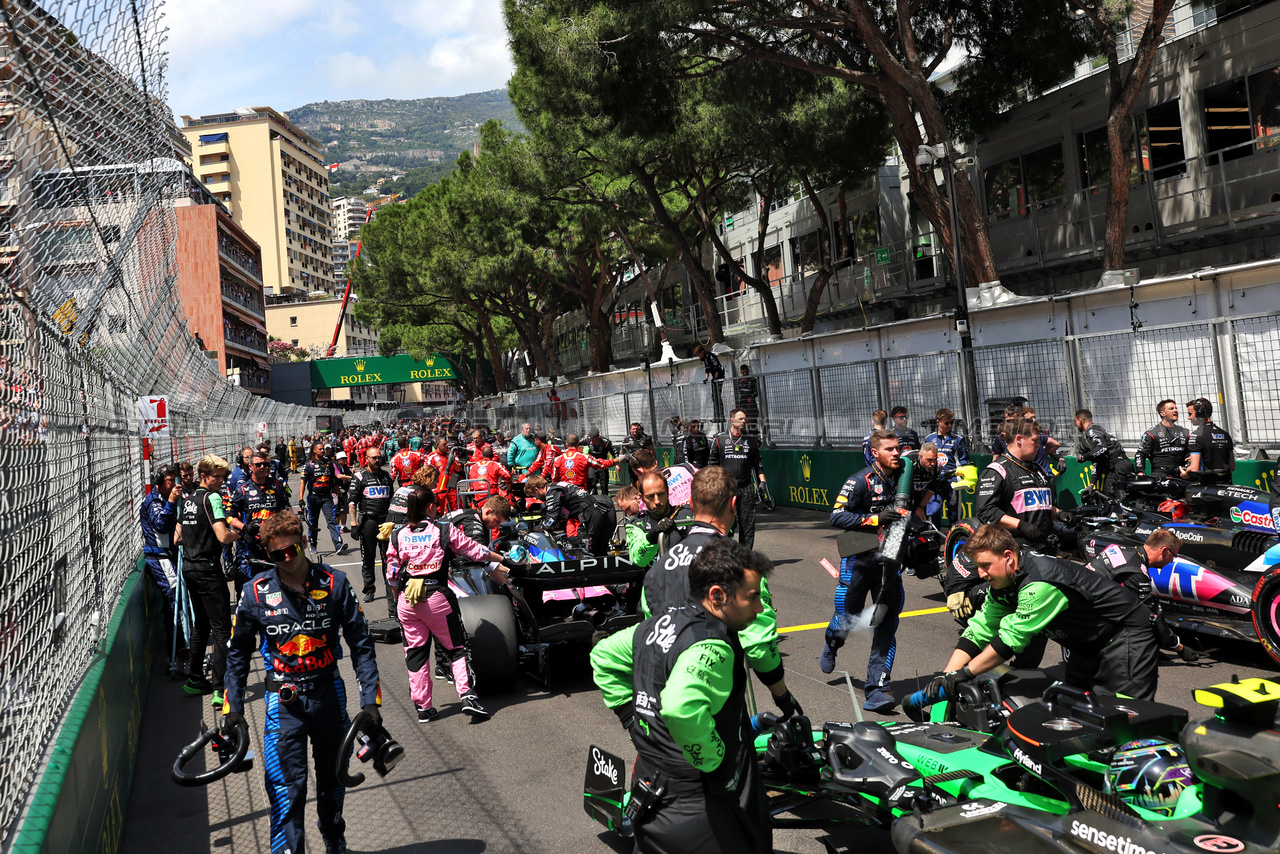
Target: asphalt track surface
(514,783)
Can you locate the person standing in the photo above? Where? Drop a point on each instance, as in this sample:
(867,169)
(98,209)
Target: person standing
(657,523)
(747,394)
(1014,492)
(254,501)
(739,453)
(697,447)
(159,518)
(1164,445)
(575,467)
(369,501)
(203,533)
(866,505)
(1111,465)
(319,492)
(602,449)
(522,451)
(714,373)
(494,475)
(953,452)
(878,420)
(908,439)
(445,460)
(293,454)
(1211,454)
(282,452)
(294,613)
(677,683)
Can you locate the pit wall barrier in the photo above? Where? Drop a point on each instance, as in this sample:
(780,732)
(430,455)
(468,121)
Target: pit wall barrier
(80,801)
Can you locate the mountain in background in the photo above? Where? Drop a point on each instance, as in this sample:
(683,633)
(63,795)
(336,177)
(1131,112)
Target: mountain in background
(419,139)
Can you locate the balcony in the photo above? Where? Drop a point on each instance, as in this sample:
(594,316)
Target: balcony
(239,258)
(243,298)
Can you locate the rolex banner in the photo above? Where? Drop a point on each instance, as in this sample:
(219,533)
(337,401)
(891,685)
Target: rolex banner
(377,370)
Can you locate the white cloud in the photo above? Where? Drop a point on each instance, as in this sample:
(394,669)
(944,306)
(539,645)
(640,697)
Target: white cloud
(229,53)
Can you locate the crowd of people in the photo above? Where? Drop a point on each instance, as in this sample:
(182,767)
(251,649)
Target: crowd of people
(420,497)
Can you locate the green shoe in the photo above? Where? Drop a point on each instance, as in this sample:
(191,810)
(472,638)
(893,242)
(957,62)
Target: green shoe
(216,699)
(196,686)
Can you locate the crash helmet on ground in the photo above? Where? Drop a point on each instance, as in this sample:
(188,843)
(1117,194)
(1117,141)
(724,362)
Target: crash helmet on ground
(1149,773)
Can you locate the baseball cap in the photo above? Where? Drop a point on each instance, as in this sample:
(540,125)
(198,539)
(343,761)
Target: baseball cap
(342,455)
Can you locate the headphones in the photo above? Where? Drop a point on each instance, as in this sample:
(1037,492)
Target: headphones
(1201,407)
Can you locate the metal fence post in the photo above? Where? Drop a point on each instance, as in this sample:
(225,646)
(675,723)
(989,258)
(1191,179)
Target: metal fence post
(820,422)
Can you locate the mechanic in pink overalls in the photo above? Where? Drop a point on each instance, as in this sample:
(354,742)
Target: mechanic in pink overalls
(418,573)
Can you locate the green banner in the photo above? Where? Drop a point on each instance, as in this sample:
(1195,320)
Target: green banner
(376,370)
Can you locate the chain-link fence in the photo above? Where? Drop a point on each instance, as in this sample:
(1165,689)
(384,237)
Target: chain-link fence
(90,320)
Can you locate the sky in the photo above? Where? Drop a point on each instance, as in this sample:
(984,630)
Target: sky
(225,54)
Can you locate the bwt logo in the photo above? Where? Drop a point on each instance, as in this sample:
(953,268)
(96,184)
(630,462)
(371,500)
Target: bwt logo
(806,467)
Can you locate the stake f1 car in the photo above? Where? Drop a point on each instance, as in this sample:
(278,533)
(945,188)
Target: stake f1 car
(561,600)
(998,772)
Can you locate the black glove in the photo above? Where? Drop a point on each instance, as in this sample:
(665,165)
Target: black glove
(945,685)
(1067,518)
(788,705)
(626,715)
(230,719)
(1189,655)
(250,530)
(375,714)
(1029,532)
(514,568)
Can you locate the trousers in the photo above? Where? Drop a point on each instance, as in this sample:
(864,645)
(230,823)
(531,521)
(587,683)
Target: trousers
(434,617)
(745,523)
(320,718)
(316,513)
(212,610)
(861,576)
(370,549)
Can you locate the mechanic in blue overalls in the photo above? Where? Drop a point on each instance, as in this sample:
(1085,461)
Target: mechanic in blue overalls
(159,517)
(298,608)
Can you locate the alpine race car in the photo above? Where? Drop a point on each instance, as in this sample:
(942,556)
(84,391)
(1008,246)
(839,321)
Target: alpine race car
(997,771)
(565,597)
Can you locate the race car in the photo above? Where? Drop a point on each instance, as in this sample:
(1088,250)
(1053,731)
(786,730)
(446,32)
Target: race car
(567,597)
(996,771)
(1225,581)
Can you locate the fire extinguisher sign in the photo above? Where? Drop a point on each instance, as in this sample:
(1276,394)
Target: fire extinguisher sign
(153,416)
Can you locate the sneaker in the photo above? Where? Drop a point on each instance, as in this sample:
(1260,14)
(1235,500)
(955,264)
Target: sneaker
(313,548)
(428,715)
(827,661)
(909,572)
(216,700)
(343,549)
(471,706)
(335,845)
(879,700)
(369,597)
(197,685)
(346,529)
(445,673)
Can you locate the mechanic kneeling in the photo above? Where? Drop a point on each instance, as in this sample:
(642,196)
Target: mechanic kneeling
(563,503)
(677,683)
(1104,628)
(298,608)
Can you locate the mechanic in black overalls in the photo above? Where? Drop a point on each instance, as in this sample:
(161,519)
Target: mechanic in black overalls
(697,447)
(1211,454)
(1111,464)
(370,496)
(1105,630)
(563,501)
(1165,444)
(677,682)
(739,453)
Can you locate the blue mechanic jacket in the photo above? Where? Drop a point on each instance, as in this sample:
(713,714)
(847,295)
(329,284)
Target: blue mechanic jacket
(952,453)
(158,517)
(301,634)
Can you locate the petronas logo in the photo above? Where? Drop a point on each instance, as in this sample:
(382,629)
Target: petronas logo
(806,467)
(360,363)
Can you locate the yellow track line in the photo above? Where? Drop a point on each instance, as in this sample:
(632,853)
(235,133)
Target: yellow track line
(809,626)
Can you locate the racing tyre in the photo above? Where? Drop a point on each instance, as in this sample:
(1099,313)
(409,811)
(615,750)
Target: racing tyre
(1266,612)
(491,624)
(957,536)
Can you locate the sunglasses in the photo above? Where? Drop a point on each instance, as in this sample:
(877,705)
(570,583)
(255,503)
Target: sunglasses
(259,465)
(285,554)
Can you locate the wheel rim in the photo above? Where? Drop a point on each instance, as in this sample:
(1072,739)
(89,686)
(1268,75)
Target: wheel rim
(1266,613)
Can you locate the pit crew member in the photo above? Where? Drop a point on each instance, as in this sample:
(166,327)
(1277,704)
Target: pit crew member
(575,467)
(645,531)
(1112,465)
(564,503)
(1164,445)
(1211,454)
(319,493)
(369,502)
(739,453)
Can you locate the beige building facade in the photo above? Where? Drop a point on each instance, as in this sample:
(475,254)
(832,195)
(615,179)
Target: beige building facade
(310,323)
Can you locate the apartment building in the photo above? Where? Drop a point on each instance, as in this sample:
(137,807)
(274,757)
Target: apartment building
(271,175)
(220,282)
(348,216)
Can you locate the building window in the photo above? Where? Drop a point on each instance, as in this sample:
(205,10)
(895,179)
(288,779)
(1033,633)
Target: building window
(293,321)
(1264,100)
(1159,141)
(1226,121)
(1002,184)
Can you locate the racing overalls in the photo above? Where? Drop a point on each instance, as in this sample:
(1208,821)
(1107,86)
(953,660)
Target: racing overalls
(740,456)
(594,515)
(666,588)
(1216,450)
(678,435)
(697,449)
(1128,567)
(417,563)
(866,503)
(680,674)
(1104,629)
(254,503)
(574,467)
(953,452)
(203,577)
(305,696)
(446,489)
(159,517)
(598,479)
(405,464)
(1113,468)
(494,474)
(1165,448)
(398,511)
(544,463)
(371,495)
(320,485)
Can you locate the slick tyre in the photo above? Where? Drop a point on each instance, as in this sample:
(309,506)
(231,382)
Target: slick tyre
(1266,612)
(491,624)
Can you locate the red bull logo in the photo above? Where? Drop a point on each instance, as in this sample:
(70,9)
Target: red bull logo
(301,645)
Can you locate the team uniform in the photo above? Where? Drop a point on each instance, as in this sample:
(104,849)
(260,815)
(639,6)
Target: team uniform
(575,467)
(493,473)
(405,464)
(598,480)
(545,462)
(1217,453)
(446,490)
(696,448)
(205,582)
(371,494)
(254,503)
(642,534)
(1112,465)
(740,455)
(574,510)
(1165,448)
(320,485)
(1128,567)
(299,633)
(159,518)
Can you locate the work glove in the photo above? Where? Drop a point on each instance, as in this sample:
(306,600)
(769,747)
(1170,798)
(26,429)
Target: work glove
(250,531)
(960,606)
(788,705)
(1067,519)
(626,716)
(1030,532)
(514,568)
(1187,654)
(945,685)
(375,714)
(384,530)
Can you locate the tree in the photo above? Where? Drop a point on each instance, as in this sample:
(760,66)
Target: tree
(1110,20)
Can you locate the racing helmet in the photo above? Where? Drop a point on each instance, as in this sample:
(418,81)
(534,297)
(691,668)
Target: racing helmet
(1149,773)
